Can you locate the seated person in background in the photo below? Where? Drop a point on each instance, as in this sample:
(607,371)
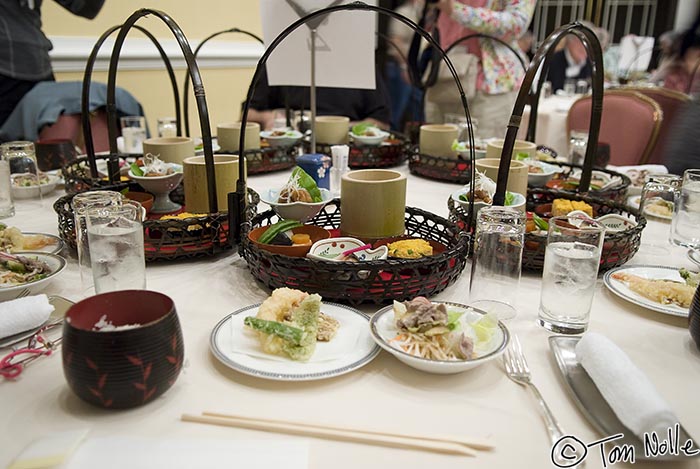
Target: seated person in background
(572,63)
(680,75)
(357,104)
(24,49)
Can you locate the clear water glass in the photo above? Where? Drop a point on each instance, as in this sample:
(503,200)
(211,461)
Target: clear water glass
(7,206)
(81,203)
(21,158)
(569,87)
(582,87)
(571,261)
(685,226)
(657,201)
(578,141)
(462,128)
(167,127)
(134,133)
(497,260)
(117,256)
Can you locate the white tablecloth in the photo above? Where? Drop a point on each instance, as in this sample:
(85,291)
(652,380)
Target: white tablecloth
(384,394)
(551,122)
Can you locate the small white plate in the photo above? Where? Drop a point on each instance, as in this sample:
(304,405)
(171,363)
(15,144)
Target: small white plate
(650,272)
(352,322)
(289,138)
(51,249)
(200,151)
(370,140)
(383,329)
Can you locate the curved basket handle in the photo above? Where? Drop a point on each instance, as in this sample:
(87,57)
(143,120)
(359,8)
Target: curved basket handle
(239,196)
(87,79)
(186,87)
(193,71)
(592,45)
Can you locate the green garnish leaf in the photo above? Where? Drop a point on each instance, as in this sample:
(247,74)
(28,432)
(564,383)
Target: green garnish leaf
(308,183)
(539,222)
(361,128)
(455,145)
(453,319)
(136,169)
(463,198)
(522,156)
(509,198)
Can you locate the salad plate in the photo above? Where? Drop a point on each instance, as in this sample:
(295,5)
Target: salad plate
(281,137)
(12,283)
(14,241)
(351,348)
(650,272)
(591,402)
(490,338)
(367,134)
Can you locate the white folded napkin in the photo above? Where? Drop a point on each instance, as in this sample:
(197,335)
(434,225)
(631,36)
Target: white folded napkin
(24,314)
(630,394)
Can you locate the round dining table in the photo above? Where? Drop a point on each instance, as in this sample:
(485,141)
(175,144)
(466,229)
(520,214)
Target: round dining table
(383,395)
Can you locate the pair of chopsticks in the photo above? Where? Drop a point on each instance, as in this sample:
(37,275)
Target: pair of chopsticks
(433,443)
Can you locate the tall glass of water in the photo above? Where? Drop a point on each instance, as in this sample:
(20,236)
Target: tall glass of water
(134,133)
(498,255)
(116,248)
(81,203)
(572,257)
(685,226)
(7,206)
(577,146)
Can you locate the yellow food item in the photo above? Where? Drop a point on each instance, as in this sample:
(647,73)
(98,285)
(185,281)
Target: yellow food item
(410,249)
(301,239)
(659,290)
(183,216)
(564,207)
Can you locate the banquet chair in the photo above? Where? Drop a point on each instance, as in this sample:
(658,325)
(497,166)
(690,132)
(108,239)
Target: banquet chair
(630,124)
(68,126)
(671,102)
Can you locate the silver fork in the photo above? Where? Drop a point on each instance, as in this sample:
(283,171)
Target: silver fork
(24,292)
(518,371)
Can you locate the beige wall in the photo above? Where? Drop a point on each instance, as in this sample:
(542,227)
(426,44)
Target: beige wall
(225,88)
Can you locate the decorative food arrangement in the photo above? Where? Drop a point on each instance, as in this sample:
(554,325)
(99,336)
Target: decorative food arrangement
(663,291)
(290,322)
(484,190)
(27,186)
(152,166)
(29,180)
(281,137)
(600,181)
(299,199)
(367,133)
(410,249)
(13,240)
(462,148)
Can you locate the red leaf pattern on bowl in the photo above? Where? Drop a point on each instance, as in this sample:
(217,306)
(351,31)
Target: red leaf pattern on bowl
(91,364)
(134,360)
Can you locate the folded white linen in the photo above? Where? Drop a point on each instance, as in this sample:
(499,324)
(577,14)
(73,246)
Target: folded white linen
(630,394)
(649,168)
(24,314)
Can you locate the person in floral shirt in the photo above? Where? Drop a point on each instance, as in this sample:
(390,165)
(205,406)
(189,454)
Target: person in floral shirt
(500,73)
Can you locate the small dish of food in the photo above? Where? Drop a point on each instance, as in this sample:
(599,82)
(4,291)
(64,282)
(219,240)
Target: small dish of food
(539,172)
(294,336)
(462,149)
(439,337)
(406,247)
(367,134)
(199,146)
(288,237)
(13,240)
(655,207)
(614,222)
(160,179)
(30,270)
(281,137)
(484,189)
(346,250)
(30,186)
(299,199)
(663,289)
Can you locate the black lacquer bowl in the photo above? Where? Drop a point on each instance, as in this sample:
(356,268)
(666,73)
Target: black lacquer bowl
(122,365)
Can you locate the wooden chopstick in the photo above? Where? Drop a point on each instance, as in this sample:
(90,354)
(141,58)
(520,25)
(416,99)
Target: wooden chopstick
(334,434)
(474,443)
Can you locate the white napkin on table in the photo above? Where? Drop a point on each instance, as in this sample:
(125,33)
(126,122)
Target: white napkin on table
(24,314)
(630,394)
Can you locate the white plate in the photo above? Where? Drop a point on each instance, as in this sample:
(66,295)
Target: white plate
(383,329)
(198,141)
(51,249)
(649,272)
(32,192)
(56,263)
(352,322)
(633,202)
